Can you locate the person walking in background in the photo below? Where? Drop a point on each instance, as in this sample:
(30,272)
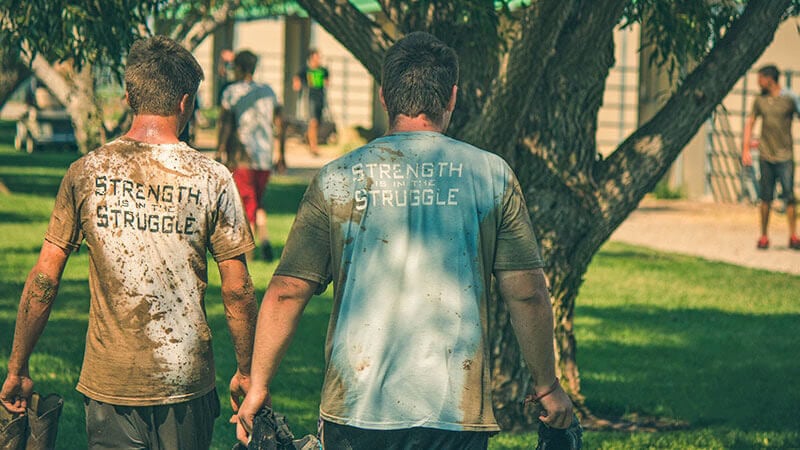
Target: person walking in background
(149,208)
(313,79)
(250,111)
(410,229)
(776,108)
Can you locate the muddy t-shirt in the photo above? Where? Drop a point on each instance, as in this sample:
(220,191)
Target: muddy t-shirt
(410,228)
(253,105)
(148,214)
(775,142)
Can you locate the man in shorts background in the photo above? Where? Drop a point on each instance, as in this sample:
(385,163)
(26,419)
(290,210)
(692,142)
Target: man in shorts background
(410,229)
(776,108)
(149,208)
(250,110)
(313,78)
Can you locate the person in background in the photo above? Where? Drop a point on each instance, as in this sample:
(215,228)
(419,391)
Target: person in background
(250,111)
(776,108)
(313,80)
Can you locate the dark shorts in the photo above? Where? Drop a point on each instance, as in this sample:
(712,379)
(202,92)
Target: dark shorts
(777,173)
(179,426)
(343,437)
(315,106)
(251,184)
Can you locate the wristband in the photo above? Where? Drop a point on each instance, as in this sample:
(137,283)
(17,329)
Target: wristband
(535,398)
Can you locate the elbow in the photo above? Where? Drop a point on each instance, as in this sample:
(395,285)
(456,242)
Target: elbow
(238,293)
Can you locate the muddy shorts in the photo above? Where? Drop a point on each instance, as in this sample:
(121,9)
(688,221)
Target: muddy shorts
(343,437)
(179,426)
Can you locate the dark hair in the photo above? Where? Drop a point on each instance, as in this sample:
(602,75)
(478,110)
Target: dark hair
(158,73)
(246,61)
(769,71)
(419,72)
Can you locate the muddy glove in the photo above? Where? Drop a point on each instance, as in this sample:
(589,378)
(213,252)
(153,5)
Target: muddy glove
(271,432)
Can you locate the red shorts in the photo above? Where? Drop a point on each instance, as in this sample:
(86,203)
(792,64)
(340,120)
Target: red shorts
(251,184)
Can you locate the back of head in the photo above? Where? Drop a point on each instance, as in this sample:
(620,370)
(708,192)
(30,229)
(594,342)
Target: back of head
(158,73)
(419,72)
(769,71)
(246,62)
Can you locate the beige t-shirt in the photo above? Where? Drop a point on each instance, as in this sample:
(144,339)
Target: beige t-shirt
(410,228)
(775,142)
(148,213)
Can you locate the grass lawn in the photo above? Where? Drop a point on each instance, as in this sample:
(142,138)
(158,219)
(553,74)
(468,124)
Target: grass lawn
(659,335)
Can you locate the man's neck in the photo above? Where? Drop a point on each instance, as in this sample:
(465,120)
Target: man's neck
(775,90)
(405,124)
(152,129)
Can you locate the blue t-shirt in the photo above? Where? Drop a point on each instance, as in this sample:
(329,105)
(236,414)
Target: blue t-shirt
(410,228)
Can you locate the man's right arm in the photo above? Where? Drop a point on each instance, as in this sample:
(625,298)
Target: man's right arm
(747,158)
(35,304)
(283,304)
(525,293)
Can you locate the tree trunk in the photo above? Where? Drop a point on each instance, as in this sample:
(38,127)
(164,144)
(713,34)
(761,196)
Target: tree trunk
(12,73)
(86,112)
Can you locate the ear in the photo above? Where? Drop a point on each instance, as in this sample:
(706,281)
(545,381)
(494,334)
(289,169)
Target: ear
(185,104)
(452,104)
(127,100)
(383,102)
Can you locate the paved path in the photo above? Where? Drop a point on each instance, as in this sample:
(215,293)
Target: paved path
(717,232)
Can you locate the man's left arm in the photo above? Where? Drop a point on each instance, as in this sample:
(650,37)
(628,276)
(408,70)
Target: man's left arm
(283,304)
(241,312)
(35,304)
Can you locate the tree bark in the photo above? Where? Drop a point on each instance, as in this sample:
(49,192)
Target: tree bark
(12,73)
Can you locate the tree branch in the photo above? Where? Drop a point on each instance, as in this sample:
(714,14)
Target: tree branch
(541,25)
(201,30)
(652,148)
(48,75)
(365,39)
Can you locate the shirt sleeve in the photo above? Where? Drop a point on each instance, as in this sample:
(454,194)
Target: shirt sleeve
(229,234)
(517,248)
(307,254)
(756,109)
(64,229)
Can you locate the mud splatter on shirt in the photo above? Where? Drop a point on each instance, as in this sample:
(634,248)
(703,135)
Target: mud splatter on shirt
(148,214)
(410,228)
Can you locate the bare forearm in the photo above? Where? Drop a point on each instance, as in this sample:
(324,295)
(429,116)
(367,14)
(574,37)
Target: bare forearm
(34,309)
(532,320)
(241,312)
(525,293)
(748,134)
(277,322)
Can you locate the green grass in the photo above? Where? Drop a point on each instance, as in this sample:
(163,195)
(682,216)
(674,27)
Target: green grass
(709,344)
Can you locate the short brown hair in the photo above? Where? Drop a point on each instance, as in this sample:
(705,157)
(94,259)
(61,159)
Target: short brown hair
(158,73)
(419,72)
(246,61)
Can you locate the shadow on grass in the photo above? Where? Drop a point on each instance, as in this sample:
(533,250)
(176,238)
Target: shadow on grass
(284,198)
(44,185)
(704,366)
(13,217)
